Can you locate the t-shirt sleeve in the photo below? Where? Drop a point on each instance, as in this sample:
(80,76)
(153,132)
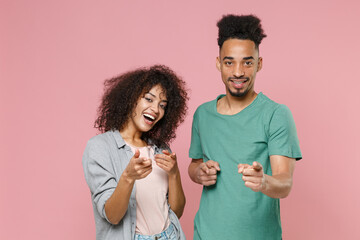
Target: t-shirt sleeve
(283,139)
(195,151)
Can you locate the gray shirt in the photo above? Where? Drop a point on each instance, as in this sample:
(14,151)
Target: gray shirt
(105,158)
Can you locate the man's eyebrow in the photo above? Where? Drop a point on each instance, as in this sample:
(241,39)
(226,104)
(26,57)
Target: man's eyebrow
(247,58)
(229,58)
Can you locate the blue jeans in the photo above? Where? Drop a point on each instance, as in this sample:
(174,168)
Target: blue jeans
(167,234)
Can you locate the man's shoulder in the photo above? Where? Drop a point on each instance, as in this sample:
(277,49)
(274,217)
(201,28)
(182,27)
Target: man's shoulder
(270,105)
(270,108)
(265,100)
(207,106)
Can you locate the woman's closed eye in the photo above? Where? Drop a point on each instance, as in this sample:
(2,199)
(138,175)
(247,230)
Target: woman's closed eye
(148,99)
(163,105)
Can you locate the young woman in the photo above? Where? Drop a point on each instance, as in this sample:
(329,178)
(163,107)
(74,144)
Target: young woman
(133,176)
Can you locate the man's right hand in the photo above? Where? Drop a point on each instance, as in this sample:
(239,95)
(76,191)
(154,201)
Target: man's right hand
(206,172)
(138,168)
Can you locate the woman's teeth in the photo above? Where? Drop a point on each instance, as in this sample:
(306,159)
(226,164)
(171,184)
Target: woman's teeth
(150,117)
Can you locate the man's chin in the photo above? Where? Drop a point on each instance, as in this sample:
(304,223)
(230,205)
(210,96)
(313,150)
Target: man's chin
(237,93)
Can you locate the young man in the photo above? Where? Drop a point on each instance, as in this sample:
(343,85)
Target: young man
(243,145)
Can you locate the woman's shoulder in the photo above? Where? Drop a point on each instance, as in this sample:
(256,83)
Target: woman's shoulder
(104,142)
(101,139)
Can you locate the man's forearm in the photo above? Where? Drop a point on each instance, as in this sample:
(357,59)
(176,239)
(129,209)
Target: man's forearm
(192,170)
(277,186)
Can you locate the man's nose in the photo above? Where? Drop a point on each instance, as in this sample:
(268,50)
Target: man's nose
(238,71)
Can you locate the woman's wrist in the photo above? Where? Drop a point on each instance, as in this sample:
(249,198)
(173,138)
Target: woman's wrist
(174,175)
(125,177)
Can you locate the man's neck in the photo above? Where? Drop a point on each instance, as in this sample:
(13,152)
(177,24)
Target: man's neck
(230,105)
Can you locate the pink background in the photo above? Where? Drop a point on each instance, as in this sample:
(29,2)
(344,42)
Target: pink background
(55,55)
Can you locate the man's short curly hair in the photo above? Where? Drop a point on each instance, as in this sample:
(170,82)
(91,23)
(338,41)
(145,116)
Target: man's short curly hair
(240,27)
(123,92)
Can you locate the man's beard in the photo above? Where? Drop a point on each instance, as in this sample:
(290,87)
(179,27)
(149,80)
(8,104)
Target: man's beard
(238,93)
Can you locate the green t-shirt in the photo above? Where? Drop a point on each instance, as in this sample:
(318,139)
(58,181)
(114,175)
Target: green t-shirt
(228,209)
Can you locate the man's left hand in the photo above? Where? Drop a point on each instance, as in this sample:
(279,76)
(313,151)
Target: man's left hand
(253,176)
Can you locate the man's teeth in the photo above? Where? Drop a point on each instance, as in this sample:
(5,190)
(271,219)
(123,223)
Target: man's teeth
(149,116)
(239,82)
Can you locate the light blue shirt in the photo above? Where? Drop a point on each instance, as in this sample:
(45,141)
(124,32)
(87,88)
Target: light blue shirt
(105,158)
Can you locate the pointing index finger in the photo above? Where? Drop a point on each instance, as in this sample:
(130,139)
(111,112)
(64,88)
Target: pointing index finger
(242,167)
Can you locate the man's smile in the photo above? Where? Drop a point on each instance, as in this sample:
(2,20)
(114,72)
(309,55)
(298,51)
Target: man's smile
(238,82)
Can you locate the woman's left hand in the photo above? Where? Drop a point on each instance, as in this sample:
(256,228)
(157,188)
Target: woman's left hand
(167,161)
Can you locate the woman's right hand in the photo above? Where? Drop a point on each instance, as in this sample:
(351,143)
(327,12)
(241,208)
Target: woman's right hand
(117,205)
(137,168)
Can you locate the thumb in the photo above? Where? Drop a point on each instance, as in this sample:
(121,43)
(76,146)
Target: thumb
(240,168)
(173,155)
(137,153)
(166,152)
(213,164)
(257,166)
(204,168)
(217,166)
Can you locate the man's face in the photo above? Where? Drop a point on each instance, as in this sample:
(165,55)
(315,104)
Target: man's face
(238,63)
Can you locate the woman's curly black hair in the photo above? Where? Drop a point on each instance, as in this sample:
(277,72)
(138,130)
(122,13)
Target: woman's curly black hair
(122,93)
(240,27)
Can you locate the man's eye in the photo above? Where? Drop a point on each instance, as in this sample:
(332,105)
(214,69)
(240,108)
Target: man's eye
(228,63)
(248,63)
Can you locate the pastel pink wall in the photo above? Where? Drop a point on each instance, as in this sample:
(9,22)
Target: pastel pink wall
(55,55)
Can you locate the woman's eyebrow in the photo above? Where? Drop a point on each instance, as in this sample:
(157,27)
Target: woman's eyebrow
(150,94)
(155,96)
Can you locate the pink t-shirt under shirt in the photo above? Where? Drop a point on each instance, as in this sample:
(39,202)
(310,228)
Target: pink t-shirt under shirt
(152,211)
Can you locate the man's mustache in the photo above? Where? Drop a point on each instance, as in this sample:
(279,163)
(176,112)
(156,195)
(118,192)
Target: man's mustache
(239,78)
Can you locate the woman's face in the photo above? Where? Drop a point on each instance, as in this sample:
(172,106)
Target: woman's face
(149,109)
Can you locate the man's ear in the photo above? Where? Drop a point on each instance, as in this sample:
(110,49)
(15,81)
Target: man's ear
(259,67)
(218,64)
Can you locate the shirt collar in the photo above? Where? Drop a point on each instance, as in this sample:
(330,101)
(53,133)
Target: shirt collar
(118,138)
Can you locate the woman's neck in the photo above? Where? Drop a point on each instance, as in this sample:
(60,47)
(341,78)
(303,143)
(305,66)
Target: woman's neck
(132,137)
